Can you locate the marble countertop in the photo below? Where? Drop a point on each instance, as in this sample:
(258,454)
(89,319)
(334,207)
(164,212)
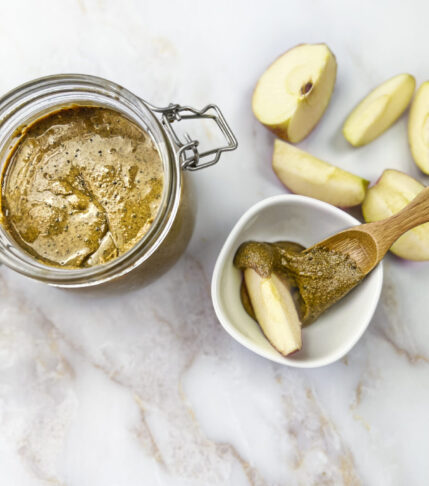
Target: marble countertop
(146,388)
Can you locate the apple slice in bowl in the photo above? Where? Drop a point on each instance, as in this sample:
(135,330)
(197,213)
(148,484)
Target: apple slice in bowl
(275,311)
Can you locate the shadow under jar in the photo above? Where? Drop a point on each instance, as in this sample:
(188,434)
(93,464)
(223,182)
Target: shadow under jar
(171,229)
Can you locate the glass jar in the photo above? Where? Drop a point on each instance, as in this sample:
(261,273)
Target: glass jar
(171,230)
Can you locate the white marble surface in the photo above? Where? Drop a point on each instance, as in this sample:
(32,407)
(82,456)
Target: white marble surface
(146,388)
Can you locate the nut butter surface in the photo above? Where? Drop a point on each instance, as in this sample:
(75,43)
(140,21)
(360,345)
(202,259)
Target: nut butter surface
(81,187)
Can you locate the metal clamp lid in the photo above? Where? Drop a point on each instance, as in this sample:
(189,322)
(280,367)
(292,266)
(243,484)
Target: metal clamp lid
(190,158)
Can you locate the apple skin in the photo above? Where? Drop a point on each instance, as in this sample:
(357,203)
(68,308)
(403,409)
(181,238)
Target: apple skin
(302,173)
(295,127)
(392,192)
(418,128)
(245,300)
(379,110)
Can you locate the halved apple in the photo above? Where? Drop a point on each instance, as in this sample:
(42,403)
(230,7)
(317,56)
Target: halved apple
(275,311)
(294,92)
(388,196)
(379,110)
(418,128)
(304,174)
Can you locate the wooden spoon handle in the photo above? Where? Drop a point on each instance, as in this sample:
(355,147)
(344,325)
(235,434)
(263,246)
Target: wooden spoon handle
(414,214)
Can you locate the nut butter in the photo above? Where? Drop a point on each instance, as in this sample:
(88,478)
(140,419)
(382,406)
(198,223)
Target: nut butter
(81,187)
(318,278)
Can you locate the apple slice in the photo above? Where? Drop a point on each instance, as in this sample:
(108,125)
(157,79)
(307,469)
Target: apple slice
(393,191)
(418,128)
(294,92)
(275,311)
(379,110)
(304,174)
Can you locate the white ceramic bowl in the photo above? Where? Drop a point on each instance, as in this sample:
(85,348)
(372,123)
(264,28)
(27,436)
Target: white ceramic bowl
(306,221)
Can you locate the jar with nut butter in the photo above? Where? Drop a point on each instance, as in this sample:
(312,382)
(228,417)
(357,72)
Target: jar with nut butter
(95,181)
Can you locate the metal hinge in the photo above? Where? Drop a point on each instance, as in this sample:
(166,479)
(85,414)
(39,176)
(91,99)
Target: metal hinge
(189,156)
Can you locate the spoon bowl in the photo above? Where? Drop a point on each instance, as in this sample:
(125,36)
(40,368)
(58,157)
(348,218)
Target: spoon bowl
(367,244)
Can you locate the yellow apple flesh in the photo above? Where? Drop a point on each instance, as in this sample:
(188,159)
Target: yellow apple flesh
(379,110)
(388,196)
(275,311)
(418,128)
(302,173)
(294,92)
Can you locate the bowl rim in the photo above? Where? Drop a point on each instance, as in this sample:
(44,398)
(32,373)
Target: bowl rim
(221,261)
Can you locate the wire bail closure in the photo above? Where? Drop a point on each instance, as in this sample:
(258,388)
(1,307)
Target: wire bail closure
(189,156)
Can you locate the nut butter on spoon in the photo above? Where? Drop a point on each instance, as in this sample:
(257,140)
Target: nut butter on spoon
(287,288)
(368,243)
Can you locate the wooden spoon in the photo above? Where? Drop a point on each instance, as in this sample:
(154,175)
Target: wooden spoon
(367,243)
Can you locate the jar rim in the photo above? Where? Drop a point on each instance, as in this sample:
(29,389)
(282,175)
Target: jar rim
(28,102)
